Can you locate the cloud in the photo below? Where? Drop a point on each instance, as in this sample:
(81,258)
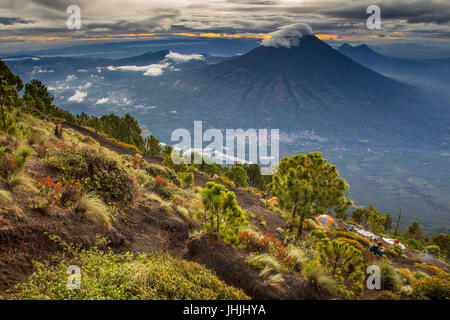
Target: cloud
(104,19)
(152,70)
(71,77)
(85,86)
(181,58)
(102,100)
(78,96)
(288,36)
(7,21)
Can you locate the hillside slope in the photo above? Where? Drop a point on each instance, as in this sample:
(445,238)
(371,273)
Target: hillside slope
(145,224)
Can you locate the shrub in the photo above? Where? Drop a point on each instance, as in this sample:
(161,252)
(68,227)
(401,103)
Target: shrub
(177,167)
(318,234)
(338,257)
(22,157)
(187,179)
(222,214)
(350,235)
(238,175)
(103,175)
(390,279)
(435,288)
(396,248)
(125,276)
(141,176)
(433,250)
(267,244)
(8,165)
(351,242)
(161,186)
(406,275)
(226,181)
(94,210)
(56,192)
(156,170)
(432,269)
(391,252)
(310,224)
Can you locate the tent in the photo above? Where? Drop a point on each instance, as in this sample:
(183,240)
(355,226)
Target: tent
(325,219)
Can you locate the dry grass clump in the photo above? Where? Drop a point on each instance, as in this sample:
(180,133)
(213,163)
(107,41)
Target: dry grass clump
(166,206)
(153,197)
(7,207)
(20,181)
(319,279)
(37,137)
(94,209)
(5,198)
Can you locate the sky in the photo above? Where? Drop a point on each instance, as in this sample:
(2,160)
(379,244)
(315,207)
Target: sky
(26,24)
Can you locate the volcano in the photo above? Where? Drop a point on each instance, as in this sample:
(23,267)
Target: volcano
(310,86)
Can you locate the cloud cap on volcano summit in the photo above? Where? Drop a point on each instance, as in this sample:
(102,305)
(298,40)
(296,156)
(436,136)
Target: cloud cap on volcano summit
(288,36)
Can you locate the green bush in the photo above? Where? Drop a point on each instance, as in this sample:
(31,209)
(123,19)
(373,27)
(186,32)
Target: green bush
(433,250)
(187,178)
(390,279)
(397,249)
(164,172)
(126,276)
(434,288)
(351,235)
(99,173)
(177,167)
(222,213)
(318,234)
(351,242)
(238,175)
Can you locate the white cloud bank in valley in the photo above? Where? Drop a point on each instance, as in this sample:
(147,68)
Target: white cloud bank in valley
(157,69)
(288,36)
(152,70)
(181,58)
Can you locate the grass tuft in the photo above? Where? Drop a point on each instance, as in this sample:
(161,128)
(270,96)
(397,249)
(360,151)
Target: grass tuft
(20,181)
(5,198)
(94,209)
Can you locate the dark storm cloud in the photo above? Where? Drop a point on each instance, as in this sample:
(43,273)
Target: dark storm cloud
(106,17)
(10,21)
(415,11)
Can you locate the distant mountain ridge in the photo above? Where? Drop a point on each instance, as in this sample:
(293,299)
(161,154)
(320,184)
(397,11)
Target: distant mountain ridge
(429,74)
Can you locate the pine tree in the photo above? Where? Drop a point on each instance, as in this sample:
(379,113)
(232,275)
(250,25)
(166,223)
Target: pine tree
(222,213)
(152,146)
(36,96)
(238,175)
(8,98)
(308,185)
(415,231)
(11,79)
